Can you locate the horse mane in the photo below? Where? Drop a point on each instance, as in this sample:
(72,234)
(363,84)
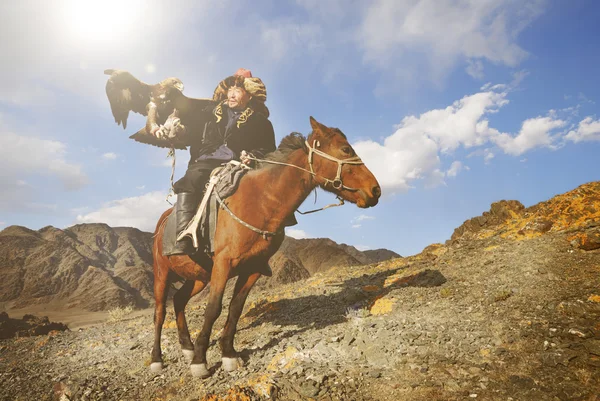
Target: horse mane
(288,144)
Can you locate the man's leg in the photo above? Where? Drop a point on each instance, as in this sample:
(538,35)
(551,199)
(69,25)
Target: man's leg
(189,190)
(187,204)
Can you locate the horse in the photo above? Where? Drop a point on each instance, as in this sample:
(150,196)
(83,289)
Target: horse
(250,232)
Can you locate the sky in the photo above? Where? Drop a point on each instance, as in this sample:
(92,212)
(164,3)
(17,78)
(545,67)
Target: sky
(452,104)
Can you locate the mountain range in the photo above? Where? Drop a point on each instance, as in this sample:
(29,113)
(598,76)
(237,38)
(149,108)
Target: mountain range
(96,267)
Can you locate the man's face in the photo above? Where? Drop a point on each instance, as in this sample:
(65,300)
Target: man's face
(237,98)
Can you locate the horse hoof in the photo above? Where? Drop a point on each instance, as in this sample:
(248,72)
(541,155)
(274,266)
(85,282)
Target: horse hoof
(156,367)
(188,354)
(199,370)
(231,364)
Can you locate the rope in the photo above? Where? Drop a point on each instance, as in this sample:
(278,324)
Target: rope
(264,233)
(172,189)
(341,203)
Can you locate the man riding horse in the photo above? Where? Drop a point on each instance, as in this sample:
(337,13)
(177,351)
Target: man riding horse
(249,229)
(236,127)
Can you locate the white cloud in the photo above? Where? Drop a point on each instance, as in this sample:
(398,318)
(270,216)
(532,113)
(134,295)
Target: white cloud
(27,155)
(281,39)
(412,152)
(141,187)
(363,248)
(475,69)
(454,169)
(535,132)
(22,157)
(443,32)
(356,225)
(139,211)
(109,156)
(587,130)
(364,217)
(295,233)
(488,156)
(79,210)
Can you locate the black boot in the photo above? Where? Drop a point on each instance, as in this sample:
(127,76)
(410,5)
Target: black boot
(187,204)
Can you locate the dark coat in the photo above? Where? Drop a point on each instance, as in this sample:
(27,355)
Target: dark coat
(252,132)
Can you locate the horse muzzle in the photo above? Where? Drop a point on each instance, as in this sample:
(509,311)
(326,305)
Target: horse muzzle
(369,198)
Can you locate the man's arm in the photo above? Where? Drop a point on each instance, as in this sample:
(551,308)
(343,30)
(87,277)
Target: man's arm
(265,140)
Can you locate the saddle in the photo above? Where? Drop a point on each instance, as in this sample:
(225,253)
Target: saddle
(223,182)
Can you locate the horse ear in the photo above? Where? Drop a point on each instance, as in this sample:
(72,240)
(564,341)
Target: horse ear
(317,126)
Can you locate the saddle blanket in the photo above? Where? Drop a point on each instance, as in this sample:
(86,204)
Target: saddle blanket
(229,177)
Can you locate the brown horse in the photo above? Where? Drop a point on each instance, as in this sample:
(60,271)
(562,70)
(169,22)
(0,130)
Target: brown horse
(265,197)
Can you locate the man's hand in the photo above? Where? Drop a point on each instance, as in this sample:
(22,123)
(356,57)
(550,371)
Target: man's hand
(171,129)
(245,158)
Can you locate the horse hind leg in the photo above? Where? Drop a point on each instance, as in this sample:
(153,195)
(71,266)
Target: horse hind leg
(230,359)
(161,283)
(180,300)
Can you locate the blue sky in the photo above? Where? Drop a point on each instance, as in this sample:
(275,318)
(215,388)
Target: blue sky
(452,104)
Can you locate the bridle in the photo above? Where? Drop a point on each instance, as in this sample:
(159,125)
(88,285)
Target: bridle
(337,181)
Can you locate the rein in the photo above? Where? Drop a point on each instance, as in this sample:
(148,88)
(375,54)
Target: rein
(336,183)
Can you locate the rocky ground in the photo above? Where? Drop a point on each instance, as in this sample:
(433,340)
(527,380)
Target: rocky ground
(491,319)
(508,309)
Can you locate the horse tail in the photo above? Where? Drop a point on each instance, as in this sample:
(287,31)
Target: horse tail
(158,237)
(162,221)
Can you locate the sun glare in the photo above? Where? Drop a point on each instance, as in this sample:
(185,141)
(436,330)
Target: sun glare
(101,21)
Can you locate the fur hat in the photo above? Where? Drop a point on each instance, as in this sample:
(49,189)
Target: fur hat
(244,79)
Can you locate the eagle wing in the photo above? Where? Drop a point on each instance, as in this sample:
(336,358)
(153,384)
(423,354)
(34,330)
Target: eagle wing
(126,93)
(190,112)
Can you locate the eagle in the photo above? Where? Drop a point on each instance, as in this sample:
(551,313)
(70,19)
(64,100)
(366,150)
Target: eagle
(163,104)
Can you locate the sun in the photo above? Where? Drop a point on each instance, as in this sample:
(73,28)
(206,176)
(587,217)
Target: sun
(101,21)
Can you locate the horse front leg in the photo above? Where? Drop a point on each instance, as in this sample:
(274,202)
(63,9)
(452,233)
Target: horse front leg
(161,283)
(180,300)
(218,280)
(230,359)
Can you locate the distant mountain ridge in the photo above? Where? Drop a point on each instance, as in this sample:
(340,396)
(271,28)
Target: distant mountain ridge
(97,267)
(91,266)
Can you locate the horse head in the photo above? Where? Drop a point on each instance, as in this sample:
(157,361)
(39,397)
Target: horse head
(338,169)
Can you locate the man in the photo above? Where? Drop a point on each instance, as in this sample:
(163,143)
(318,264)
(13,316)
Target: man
(238,124)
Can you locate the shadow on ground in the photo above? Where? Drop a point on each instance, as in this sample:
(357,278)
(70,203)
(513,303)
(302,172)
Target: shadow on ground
(331,307)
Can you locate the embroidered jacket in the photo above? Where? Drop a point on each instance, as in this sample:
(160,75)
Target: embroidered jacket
(252,132)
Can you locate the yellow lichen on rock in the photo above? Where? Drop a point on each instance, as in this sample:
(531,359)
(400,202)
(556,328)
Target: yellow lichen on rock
(594,298)
(170,324)
(574,210)
(262,385)
(382,306)
(286,360)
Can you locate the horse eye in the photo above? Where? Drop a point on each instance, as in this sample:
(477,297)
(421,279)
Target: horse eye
(346,150)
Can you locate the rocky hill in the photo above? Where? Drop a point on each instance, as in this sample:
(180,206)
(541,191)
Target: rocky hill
(299,259)
(89,266)
(508,309)
(96,267)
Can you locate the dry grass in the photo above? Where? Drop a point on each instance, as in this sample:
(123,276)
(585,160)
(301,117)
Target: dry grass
(119,313)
